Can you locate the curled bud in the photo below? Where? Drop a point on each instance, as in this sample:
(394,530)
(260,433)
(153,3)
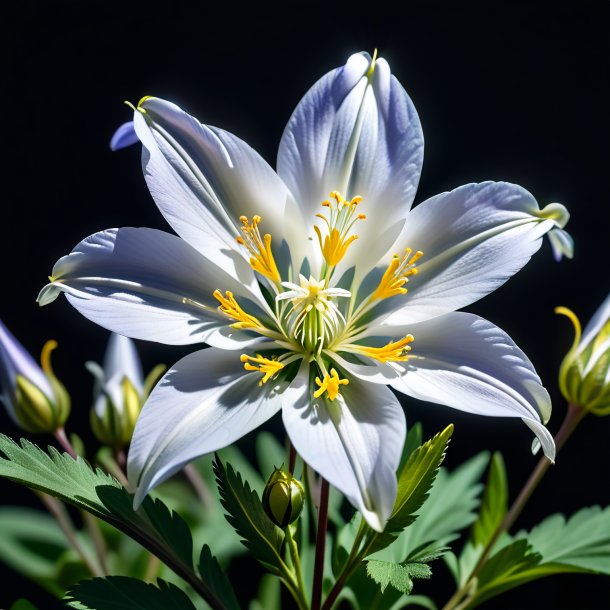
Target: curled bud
(119,392)
(34,398)
(283,498)
(584,376)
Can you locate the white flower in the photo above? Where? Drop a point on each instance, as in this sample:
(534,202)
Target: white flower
(322,350)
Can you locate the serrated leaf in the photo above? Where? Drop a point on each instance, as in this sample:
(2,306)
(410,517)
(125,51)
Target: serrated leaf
(399,575)
(494,504)
(246,514)
(414,484)
(31,543)
(210,569)
(124,593)
(154,526)
(415,437)
(449,509)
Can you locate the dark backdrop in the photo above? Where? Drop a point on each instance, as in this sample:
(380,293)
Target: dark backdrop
(505,90)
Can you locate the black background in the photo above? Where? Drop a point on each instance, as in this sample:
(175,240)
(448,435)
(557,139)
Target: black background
(504,90)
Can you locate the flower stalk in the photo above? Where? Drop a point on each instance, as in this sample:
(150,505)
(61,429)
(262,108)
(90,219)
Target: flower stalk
(318,570)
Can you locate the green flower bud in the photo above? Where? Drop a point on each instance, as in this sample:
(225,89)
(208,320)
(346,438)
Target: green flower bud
(120,392)
(584,376)
(283,498)
(36,399)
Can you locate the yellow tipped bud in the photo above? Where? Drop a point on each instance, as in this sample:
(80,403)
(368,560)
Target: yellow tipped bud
(283,498)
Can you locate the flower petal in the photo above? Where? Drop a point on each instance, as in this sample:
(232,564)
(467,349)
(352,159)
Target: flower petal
(473,239)
(124,136)
(204,403)
(203,179)
(135,281)
(356,131)
(594,326)
(354,442)
(465,362)
(122,360)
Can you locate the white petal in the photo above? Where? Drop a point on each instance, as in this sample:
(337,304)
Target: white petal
(354,442)
(473,239)
(594,326)
(134,282)
(203,179)
(359,135)
(122,360)
(465,362)
(205,402)
(561,243)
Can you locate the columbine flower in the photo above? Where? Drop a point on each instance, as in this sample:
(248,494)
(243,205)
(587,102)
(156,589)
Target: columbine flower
(119,392)
(34,398)
(584,376)
(311,298)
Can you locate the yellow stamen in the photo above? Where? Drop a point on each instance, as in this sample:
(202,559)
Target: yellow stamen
(230,308)
(45,356)
(395,351)
(341,218)
(397,275)
(261,256)
(268,367)
(330,385)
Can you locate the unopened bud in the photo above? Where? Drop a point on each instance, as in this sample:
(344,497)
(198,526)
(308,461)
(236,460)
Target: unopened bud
(283,498)
(584,376)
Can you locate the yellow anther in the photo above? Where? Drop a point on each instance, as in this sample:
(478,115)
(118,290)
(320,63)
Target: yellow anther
(268,367)
(341,218)
(397,275)
(330,384)
(395,351)
(230,308)
(259,247)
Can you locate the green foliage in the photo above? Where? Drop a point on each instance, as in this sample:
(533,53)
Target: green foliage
(555,546)
(32,543)
(219,583)
(154,526)
(399,575)
(123,593)
(494,504)
(269,454)
(23,604)
(269,594)
(246,514)
(414,484)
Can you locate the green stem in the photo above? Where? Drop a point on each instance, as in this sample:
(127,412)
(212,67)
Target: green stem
(462,597)
(318,570)
(296,563)
(351,563)
(60,514)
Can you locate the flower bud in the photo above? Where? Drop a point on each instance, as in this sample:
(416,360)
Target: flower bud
(119,392)
(584,376)
(34,398)
(283,498)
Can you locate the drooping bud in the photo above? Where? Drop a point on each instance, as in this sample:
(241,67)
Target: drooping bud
(34,398)
(119,392)
(283,498)
(584,376)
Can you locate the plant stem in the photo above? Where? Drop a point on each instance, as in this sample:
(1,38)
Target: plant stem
(60,514)
(296,561)
(198,484)
(571,420)
(62,439)
(97,538)
(351,563)
(292,458)
(318,570)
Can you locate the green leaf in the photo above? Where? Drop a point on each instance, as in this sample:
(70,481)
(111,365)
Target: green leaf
(449,509)
(23,604)
(210,569)
(414,483)
(399,575)
(124,593)
(415,437)
(155,527)
(31,543)
(494,504)
(246,514)
(269,594)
